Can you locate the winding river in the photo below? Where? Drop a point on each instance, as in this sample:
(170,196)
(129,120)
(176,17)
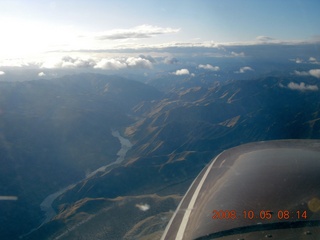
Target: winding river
(46,205)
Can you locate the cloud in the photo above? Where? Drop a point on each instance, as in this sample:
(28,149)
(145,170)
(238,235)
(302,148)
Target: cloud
(77,62)
(265,39)
(143,207)
(142,31)
(183,71)
(241,54)
(2,73)
(244,69)
(170,60)
(313,72)
(110,64)
(209,67)
(297,60)
(41,74)
(302,87)
(8,198)
(138,62)
(148,57)
(312,59)
(103,63)
(303,73)
(68,62)
(116,64)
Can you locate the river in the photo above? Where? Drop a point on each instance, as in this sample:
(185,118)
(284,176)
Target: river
(46,204)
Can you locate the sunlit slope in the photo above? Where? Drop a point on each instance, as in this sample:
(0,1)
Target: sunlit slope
(177,135)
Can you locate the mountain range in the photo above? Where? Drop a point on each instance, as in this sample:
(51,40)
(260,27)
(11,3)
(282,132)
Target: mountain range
(55,133)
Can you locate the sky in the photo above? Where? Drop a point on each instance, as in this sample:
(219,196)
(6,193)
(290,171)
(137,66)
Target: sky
(36,29)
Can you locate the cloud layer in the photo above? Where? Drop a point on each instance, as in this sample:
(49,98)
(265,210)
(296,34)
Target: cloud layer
(142,31)
(103,63)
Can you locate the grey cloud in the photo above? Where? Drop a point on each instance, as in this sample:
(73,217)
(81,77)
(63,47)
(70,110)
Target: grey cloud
(148,57)
(302,73)
(143,31)
(170,60)
(241,54)
(265,39)
(2,73)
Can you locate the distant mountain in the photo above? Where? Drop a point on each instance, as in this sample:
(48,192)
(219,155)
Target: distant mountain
(54,133)
(176,136)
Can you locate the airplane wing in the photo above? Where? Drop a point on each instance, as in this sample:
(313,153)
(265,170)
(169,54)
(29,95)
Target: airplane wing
(254,191)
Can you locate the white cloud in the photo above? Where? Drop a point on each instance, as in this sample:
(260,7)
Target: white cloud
(302,87)
(298,60)
(2,73)
(244,69)
(312,59)
(110,64)
(103,63)
(183,71)
(41,74)
(143,207)
(68,62)
(116,64)
(209,67)
(313,72)
(142,31)
(138,62)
